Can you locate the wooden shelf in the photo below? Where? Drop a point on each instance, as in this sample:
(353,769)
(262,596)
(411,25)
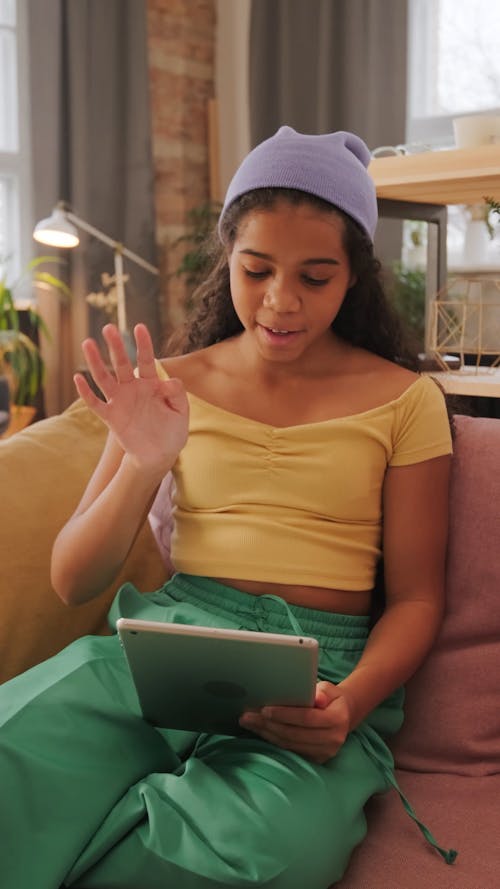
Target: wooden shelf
(459,176)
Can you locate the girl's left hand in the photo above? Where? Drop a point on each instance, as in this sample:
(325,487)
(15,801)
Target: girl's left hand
(317,732)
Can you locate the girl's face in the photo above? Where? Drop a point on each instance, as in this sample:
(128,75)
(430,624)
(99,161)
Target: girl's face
(289,274)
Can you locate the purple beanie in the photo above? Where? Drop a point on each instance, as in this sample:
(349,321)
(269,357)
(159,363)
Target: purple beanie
(332,166)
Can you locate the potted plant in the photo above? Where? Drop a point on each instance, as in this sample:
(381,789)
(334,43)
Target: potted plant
(21,364)
(492,206)
(408,297)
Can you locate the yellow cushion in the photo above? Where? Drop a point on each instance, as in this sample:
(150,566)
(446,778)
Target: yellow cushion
(43,472)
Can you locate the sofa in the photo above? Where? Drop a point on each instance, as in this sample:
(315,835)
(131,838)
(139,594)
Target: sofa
(448,752)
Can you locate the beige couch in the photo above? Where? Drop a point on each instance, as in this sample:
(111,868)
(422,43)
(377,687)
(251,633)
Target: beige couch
(43,471)
(448,753)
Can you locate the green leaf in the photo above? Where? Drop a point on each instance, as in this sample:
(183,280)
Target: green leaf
(41,260)
(54,282)
(39,324)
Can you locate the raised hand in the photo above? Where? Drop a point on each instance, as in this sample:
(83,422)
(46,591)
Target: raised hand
(148,416)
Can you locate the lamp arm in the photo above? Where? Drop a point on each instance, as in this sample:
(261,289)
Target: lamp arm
(115,245)
(120,293)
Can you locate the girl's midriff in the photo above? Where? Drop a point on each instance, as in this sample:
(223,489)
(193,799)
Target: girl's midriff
(354,602)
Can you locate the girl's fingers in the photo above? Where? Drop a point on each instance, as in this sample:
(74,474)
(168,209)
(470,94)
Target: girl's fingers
(105,381)
(306,717)
(118,354)
(290,733)
(145,354)
(85,392)
(111,384)
(319,753)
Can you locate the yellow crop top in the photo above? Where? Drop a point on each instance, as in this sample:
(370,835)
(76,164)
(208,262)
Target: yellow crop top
(300,504)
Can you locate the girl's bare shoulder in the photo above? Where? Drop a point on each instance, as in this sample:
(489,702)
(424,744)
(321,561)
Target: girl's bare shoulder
(194,366)
(380,380)
(385,369)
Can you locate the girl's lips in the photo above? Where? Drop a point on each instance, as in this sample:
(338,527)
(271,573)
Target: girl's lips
(278,336)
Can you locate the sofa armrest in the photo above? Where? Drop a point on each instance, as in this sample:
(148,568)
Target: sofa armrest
(43,472)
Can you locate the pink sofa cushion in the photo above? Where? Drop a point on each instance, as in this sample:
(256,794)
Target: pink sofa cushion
(463,813)
(453,713)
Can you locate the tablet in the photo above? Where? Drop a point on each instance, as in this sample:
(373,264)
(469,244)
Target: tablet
(203,678)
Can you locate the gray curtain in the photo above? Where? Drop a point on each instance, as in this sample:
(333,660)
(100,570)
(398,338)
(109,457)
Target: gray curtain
(92,148)
(325,65)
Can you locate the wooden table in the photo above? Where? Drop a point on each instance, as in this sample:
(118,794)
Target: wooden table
(457,176)
(420,186)
(483,382)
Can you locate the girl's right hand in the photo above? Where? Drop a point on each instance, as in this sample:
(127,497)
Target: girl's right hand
(147,416)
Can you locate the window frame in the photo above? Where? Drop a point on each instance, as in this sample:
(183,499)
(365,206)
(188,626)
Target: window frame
(15,166)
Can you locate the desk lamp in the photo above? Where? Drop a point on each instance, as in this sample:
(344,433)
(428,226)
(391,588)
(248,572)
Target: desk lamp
(60,230)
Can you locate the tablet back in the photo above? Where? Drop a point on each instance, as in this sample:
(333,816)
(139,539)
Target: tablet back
(203,678)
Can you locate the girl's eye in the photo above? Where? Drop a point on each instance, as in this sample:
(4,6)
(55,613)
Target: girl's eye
(315,282)
(252,274)
(307,279)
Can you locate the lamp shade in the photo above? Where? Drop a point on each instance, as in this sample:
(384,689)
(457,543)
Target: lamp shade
(56,230)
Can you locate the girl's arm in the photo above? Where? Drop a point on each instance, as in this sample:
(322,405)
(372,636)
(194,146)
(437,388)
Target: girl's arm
(148,421)
(415,534)
(415,537)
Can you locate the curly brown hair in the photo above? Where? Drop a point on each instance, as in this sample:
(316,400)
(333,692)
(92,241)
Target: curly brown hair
(366,317)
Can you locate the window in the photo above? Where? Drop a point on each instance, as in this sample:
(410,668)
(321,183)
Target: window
(454,65)
(15,206)
(453,70)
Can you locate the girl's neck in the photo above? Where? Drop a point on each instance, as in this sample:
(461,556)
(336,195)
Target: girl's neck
(313,364)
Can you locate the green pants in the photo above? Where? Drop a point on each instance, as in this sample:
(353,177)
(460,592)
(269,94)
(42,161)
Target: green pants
(93,796)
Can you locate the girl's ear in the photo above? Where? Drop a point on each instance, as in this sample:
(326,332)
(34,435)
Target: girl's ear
(352,281)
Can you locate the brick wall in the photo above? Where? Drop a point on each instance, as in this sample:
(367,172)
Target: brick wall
(181,50)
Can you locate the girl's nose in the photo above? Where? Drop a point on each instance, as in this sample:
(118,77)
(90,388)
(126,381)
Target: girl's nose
(281,297)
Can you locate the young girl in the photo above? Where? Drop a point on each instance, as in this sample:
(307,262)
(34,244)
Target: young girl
(301,450)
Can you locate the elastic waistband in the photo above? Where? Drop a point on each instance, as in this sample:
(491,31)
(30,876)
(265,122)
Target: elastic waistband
(272,613)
